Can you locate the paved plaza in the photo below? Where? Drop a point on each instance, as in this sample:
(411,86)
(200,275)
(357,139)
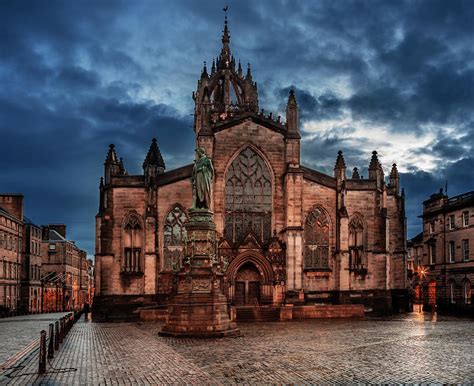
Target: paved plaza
(412,348)
(18,331)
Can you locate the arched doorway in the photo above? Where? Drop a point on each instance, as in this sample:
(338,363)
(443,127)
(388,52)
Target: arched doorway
(247,285)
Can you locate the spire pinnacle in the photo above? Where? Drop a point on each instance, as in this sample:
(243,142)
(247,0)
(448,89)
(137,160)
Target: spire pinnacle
(291,99)
(340,163)
(204,71)
(225,52)
(374,161)
(153,156)
(355,174)
(111,155)
(394,172)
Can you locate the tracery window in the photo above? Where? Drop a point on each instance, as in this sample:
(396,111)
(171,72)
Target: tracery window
(356,243)
(174,238)
(132,244)
(248,194)
(316,240)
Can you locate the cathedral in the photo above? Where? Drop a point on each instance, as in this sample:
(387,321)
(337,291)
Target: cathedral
(288,234)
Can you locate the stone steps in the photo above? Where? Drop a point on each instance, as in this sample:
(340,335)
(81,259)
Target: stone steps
(258,314)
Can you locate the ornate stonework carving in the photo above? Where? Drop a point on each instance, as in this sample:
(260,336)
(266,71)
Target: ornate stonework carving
(201,285)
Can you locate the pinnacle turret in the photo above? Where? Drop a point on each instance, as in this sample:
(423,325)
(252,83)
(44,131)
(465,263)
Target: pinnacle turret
(111,155)
(340,163)
(355,174)
(153,156)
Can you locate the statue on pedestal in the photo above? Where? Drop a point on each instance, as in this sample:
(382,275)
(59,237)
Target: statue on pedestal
(201,180)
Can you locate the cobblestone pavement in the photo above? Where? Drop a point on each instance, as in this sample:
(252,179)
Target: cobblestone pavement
(413,348)
(18,331)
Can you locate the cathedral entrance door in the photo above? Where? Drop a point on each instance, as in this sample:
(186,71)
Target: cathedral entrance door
(247,285)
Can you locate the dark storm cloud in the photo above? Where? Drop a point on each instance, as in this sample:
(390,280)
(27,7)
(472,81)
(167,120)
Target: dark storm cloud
(77,76)
(325,106)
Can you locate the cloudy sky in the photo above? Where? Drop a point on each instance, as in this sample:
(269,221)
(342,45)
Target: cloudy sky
(395,76)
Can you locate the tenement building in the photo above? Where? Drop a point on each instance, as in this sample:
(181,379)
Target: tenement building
(64,270)
(446,271)
(287,233)
(11,241)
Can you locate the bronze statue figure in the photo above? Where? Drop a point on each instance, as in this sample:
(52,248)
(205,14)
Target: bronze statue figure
(203,174)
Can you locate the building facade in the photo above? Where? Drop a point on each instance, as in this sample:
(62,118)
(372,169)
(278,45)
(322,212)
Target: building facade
(446,271)
(31,289)
(11,244)
(63,268)
(38,274)
(288,233)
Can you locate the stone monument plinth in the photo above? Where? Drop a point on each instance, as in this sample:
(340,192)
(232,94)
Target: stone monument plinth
(199,308)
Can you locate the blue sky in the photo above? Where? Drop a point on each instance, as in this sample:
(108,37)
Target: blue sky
(394,76)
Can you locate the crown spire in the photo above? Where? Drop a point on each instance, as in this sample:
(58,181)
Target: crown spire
(225,56)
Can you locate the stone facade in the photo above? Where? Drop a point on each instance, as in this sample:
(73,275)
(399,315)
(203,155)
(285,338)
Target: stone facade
(64,267)
(445,272)
(11,241)
(286,233)
(39,270)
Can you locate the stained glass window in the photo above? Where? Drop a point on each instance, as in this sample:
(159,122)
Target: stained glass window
(248,194)
(316,240)
(132,244)
(356,243)
(174,237)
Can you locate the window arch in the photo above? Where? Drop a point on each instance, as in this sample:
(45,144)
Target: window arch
(174,238)
(316,240)
(356,243)
(248,194)
(132,244)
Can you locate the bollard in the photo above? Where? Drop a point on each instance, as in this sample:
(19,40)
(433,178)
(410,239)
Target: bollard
(56,335)
(63,327)
(51,341)
(42,353)
(61,331)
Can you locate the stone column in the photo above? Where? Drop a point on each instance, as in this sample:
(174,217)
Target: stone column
(199,308)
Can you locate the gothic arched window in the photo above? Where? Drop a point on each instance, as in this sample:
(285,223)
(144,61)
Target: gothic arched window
(316,240)
(356,243)
(248,194)
(132,244)
(174,238)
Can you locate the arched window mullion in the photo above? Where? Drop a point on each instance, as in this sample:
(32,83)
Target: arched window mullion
(174,238)
(132,245)
(245,197)
(316,240)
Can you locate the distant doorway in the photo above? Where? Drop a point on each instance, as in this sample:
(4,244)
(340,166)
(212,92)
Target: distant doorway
(247,285)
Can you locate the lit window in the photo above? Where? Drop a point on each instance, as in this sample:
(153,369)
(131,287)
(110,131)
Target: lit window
(465,218)
(52,247)
(452,250)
